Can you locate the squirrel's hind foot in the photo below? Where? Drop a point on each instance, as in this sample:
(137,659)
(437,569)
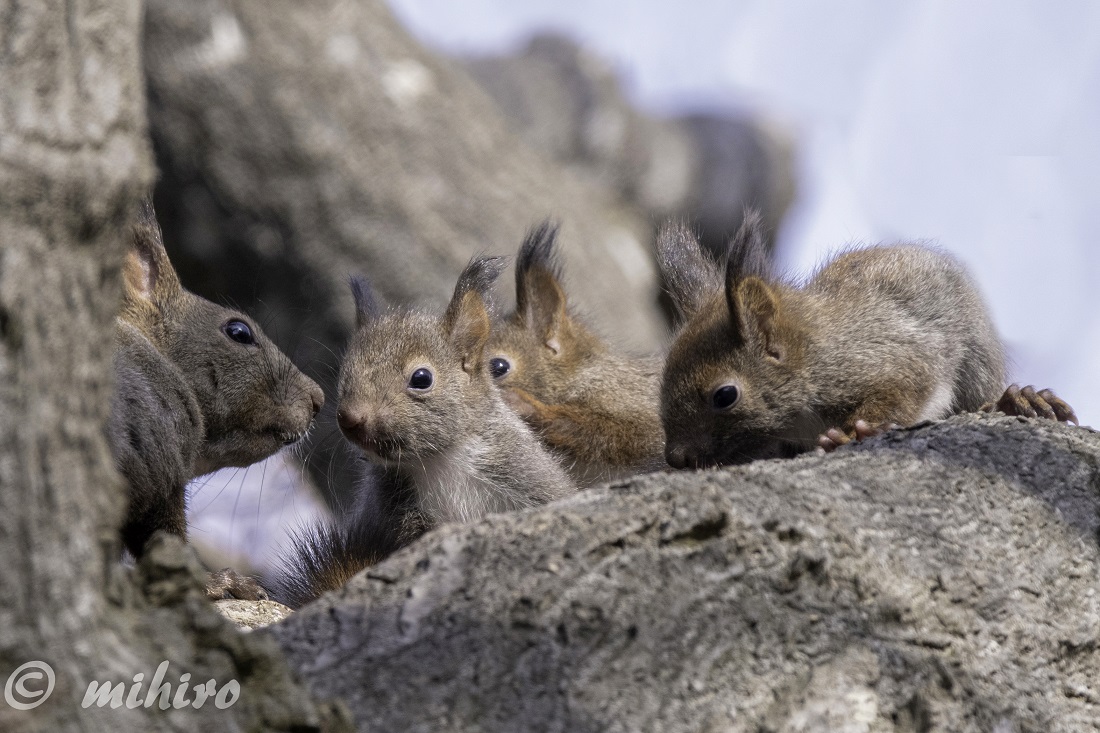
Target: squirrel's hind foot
(1027,402)
(228,583)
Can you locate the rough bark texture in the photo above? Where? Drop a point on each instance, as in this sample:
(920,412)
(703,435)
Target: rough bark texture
(73,161)
(942,578)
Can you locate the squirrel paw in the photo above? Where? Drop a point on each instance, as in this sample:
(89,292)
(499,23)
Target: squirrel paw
(1027,402)
(521,402)
(833,438)
(228,583)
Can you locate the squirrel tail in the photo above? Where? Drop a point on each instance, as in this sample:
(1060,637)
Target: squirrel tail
(326,556)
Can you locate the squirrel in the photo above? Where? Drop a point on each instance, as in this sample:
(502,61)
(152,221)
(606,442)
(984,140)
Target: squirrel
(198,387)
(882,336)
(595,409)
(416,398)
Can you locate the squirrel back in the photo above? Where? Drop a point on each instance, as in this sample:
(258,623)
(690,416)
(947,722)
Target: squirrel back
(762,368)
(596,409)
(417,399)
(198,387)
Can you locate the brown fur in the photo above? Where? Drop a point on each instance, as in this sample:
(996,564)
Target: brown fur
(189,399)
(596,409)
(889,334)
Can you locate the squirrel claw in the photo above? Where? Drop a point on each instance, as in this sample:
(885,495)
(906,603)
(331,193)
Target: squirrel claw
(1027,402)
(833,438)
(228,583)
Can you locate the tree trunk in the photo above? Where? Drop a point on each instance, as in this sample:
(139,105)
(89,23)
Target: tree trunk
(73,160)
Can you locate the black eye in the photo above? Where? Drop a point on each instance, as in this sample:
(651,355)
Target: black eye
(239,332)
(421,379)
(498,367)
(725,397)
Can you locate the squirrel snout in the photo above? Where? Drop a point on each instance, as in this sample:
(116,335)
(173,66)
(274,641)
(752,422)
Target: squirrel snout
(317,397)
(356,424)
(680,456)
(349,420)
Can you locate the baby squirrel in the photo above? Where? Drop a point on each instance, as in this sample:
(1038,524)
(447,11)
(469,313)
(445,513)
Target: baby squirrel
(417,399)
(198,387)
(879,336)
(595,409)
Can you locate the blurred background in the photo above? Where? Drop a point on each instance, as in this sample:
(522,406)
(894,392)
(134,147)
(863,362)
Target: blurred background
(969,125)
(973,125)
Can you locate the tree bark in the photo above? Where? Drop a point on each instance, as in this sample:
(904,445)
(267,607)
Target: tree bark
(73,161)
(942,578)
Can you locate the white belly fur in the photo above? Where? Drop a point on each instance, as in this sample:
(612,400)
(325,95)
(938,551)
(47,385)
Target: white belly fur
(939,403)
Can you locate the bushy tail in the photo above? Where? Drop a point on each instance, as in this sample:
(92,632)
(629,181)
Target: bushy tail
(326,556)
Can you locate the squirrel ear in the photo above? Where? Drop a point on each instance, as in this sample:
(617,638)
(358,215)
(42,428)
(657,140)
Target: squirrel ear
(466,322)
(690,275)
(540,298)
(753,310)
(367,304)
(147,273)
(748,250)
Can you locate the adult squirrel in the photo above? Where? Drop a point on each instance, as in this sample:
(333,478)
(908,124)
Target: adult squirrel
(198,387)
(879,336)
(596,409)
(417,399)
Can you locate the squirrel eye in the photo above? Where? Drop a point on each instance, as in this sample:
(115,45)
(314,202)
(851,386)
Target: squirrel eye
(239,332)
(498,367)
(725,397)
(421,379)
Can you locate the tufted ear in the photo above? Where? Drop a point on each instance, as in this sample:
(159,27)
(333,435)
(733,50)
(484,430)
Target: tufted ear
(368,305)
(466,321)
(691,277)
(540,298)
(147,274)
(747,253)
(753,303)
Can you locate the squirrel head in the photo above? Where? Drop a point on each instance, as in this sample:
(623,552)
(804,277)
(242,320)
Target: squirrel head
(732,383)
(411,383)
(253,400)
(540,348)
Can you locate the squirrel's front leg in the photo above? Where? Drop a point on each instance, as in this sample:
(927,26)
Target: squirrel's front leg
(587,432)
(833,438)
(557,424)
(887,410)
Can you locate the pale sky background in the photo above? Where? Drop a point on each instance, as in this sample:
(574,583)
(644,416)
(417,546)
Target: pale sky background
(975,125)
(972,124)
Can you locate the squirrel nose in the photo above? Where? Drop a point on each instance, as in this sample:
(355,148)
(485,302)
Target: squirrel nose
(349,420)
(681,457)
(359,426)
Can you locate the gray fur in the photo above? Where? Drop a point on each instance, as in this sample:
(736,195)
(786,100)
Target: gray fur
(883,334)
(690,275)
(189,399)
(453,453)
(368,305)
